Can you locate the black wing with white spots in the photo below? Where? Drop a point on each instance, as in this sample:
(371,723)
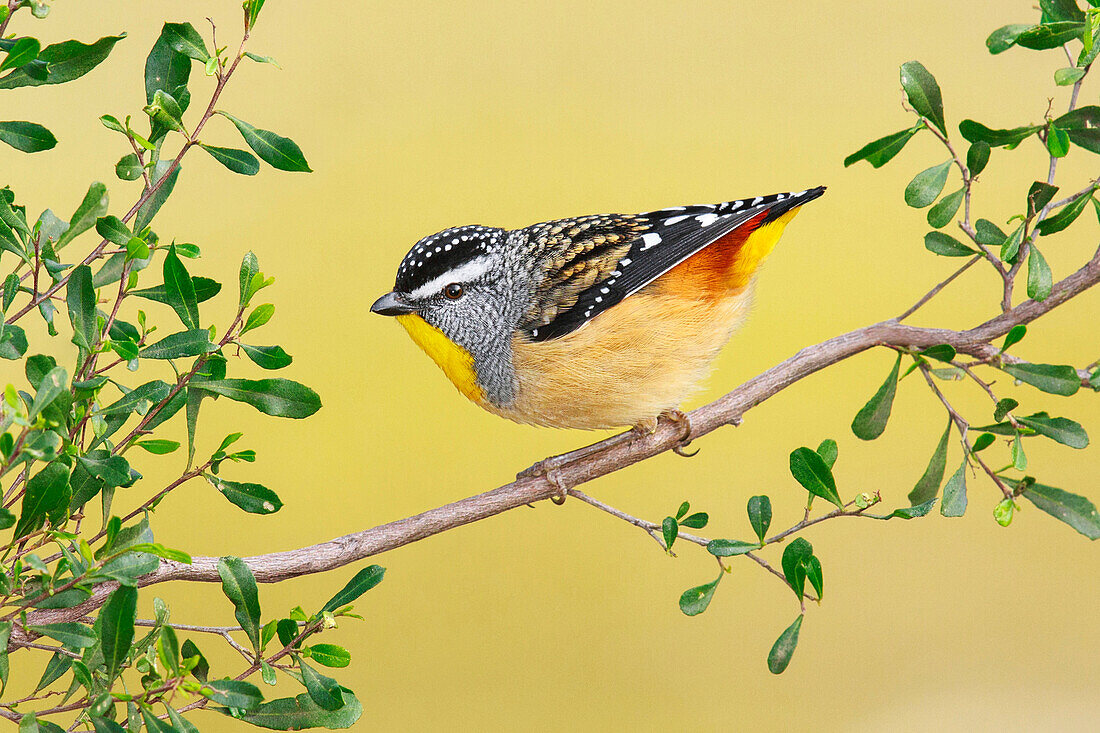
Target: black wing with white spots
(645,247)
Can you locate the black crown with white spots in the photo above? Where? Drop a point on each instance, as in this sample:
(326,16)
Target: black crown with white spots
(432,256)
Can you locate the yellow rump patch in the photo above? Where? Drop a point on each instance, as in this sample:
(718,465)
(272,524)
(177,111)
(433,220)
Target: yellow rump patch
(455,361)
(758,246)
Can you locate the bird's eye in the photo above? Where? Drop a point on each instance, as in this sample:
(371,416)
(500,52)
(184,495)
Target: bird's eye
(453,291)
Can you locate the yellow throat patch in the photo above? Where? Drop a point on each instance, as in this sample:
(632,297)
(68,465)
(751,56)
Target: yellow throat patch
(455,361)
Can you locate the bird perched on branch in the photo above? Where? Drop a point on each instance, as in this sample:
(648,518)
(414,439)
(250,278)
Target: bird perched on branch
(594,322)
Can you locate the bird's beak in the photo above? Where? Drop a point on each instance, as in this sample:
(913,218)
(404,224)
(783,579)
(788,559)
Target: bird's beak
(391,304)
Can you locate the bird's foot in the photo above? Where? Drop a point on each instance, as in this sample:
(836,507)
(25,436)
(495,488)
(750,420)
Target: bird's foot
(676,417)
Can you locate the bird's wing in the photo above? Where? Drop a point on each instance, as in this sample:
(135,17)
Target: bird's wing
(594,262)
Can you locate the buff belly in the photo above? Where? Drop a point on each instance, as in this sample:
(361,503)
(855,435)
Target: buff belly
(639,359)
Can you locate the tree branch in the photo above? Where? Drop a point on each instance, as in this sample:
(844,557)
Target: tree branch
(729,409)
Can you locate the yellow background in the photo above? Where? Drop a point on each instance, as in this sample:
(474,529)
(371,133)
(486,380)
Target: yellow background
(417,116)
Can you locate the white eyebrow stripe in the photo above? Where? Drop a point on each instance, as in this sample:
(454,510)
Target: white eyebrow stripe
(463,273)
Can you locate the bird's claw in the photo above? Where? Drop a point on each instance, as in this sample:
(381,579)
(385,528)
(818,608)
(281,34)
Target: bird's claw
(680,418)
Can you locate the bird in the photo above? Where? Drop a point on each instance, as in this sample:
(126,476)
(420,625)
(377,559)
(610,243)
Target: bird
(592,322)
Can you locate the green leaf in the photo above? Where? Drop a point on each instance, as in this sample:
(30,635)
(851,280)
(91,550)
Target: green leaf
(363,581)
(128,167)
(275,150)
(299,713)
(946,245)
(1010,138)
(912,512)
(923,93)
(204,288)
(325,691)
(685,507)
(1004,407)
(30,137)
(180,290)
(1004,37)
(870,422)
(84,218)
(982,442)
(116,628)
(58,665)
(695,521)
(239,586)
(977,157)
(1061,10)
(943,212)
(159,550)
(20,53)
(80,298)
(1039,195)
(167,70)
(162,170)
(238,161)
(112,229)
(1040,281)
(813,574)
(1002,513)
(202,668)
(927,185)
(46,491)
(670,530)
(1011,246)
(810,471)
(828,451)
(268,357)
(695,600)
(183,38)
(13,342)
(954,494)
(783,648)
(1076,511)
(1068,76)
(253,498)
(1056,379)
(1059,429)
(1057,141)
(879,152)
(278,397)
(69,633)
(236,693)
(940,352)
(929,484)
(760,515)
(50,386)
(177,345)
(330,655)
(1065,217)
(989,233)
(262,59)
(63,62)
(258,317)
(1050,35)
(158,447)
(250,267)
(730,548)
(795,557)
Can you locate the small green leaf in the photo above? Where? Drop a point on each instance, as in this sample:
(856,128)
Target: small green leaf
(299,713)
(278,397)
(112,229)
(1011,246)
(363,581)
(977,132)
(69,633)
(116,628)
(1014,336)
(1039,195)
(810,471)
(1076,511)
(1004,406)
(258,317)
(795,557)
(1068,76)
(923,93)
(184,39)
(262,59)
(989,233)
(1059,429)
(946,245)
(330,655)
(870,421)
(695,600)
(1002,513)
(204,287)
(685,507)
(927,185)
(178,345)
(180,290)
(695,521)
(158,446)
(954,494)
(80,298)
(29,137)
(1050,35)
(128,167)
(235,693)
(730,548)
(670,530)
(982,442)
(943,212)
(1059,379)
(250,267)
(783,648)
(977,157)
(814,575)
(940,352)
(268,357)
(1004,37)
(239,587)
(829,452)
(253,498)
(917,510)
(1065,217)
(1057,142)
(45,492)
(760,515)
(163,170)
(63,62)
(325,691)
(275,150)
(20,53)
(879,152)
(238,161)
(1040,281)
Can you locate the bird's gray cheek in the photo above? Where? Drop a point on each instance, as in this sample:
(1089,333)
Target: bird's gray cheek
(493,359)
